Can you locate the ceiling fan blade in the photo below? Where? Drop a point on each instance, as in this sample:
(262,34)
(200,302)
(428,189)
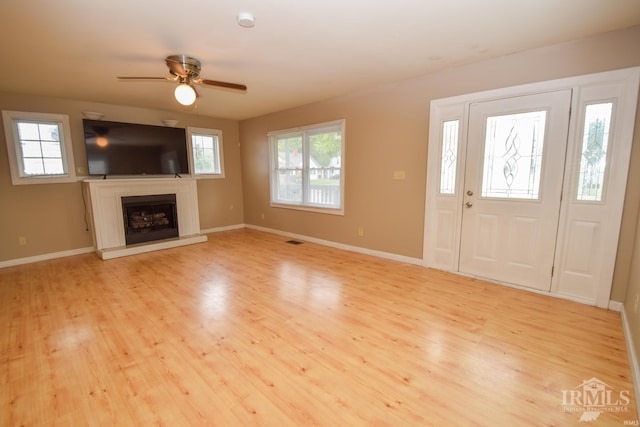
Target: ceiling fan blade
(147,78)
(221,84)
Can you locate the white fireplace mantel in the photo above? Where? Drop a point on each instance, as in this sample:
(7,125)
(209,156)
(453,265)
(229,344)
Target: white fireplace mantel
(105,206)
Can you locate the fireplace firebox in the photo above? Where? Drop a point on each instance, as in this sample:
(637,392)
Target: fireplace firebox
(149,218)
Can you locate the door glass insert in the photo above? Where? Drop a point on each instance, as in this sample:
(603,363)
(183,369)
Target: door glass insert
(594,151)
(449,157)
(513,155)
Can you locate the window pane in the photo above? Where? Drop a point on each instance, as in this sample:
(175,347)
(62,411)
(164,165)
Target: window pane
(326,149)
(41,148)
(289,186)
(449,157)
(53,167)
(513,155)
(203,142)
(324,169)
(594,151)
(28,131)
(31,149)
(290,152)
(49,132)
(206,154)
(324,187)
(51,150)
(33,167)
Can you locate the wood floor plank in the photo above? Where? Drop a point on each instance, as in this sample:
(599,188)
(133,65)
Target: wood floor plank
(248,330)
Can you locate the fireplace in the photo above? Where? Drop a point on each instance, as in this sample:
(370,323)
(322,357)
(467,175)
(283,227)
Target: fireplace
(149,218)
(109,222)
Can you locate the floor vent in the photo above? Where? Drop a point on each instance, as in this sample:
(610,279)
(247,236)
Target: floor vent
(293,242)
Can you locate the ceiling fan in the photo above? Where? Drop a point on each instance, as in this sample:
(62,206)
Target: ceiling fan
(186,71)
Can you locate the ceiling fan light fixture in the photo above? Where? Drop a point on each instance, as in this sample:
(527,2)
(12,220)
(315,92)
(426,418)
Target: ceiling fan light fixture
(185,94)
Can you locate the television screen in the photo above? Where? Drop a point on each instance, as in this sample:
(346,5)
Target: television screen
(115,148)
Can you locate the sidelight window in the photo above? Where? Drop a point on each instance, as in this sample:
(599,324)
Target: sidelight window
(449,154)
(595,141)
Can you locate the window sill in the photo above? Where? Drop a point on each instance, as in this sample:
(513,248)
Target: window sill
(208,176)
(330,211)
(43,180)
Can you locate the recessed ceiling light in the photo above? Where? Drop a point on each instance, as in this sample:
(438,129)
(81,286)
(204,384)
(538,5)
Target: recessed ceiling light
(246,20)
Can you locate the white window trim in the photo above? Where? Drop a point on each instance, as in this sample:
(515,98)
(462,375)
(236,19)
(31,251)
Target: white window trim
(9,119)
(205,131)
(272,169)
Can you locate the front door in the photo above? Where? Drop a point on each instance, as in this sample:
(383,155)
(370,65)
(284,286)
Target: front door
(512,187)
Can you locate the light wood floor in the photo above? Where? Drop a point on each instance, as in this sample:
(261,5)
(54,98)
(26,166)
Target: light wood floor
(246,330)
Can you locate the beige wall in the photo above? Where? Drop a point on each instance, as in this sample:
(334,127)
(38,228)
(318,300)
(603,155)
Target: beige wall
(633,290)
(386,130)
(51,216)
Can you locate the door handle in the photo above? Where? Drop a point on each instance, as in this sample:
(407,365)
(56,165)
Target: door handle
(468,204)
(469,193)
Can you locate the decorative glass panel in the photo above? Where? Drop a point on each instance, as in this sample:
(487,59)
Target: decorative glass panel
(513,155)
(449,157)
(594,151)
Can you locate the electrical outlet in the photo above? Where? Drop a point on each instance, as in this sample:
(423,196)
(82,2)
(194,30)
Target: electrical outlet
(360,231)
(262,215)
(635,304)
(22,241)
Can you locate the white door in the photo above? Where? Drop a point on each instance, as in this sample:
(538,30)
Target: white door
(512,187)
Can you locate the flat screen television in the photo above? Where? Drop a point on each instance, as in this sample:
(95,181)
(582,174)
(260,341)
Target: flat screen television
(115,148)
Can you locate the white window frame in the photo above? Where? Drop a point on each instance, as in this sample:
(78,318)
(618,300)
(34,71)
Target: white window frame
(273,167)
(10,120)
(191,131)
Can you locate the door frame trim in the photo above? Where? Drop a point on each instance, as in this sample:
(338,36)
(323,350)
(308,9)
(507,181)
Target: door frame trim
(443,213)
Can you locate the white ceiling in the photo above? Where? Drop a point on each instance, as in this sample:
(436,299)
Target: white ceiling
(299,51)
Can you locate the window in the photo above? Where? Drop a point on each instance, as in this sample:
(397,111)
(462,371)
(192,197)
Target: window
(39,147)
(595,141)
(449,157)
(513,155)
(206,152)
(307,167)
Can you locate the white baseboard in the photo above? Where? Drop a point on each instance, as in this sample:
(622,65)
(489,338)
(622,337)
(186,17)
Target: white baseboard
(80,251)
(44,257)
(365,251)
(633,358)
(616,306)
(225,228)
